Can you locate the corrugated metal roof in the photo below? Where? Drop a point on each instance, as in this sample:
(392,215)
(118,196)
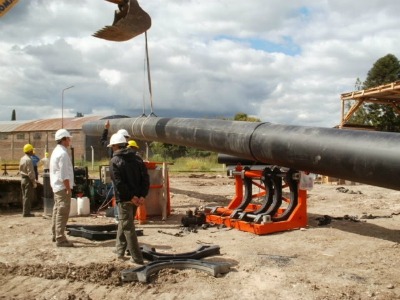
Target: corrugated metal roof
(46,124)
(9,126)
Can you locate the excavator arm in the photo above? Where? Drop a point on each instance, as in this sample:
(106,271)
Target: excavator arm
(6,5)
(130,20)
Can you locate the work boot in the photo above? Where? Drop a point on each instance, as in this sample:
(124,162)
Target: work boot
(119,255)
(138,262)
(64,243)
(115,251)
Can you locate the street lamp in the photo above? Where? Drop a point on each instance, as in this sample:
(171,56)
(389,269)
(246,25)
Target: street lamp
(62,105)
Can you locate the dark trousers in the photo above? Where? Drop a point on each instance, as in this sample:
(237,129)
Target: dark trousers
(35,168)
(126,234)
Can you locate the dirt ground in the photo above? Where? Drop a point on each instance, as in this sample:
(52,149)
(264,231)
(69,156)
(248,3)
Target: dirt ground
(355,256)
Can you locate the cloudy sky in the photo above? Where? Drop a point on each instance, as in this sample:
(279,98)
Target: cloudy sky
(281,61)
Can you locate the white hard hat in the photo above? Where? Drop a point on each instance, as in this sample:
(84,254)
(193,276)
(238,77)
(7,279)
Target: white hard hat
(116,139)
(124,133)
(61,133)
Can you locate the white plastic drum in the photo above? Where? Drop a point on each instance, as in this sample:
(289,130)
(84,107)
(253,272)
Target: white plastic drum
(73,211)
(83,206)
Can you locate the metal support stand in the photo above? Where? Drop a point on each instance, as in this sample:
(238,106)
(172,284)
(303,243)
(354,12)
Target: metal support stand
(276,213)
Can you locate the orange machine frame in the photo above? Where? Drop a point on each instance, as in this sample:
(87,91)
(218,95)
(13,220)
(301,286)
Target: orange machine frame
(222,215)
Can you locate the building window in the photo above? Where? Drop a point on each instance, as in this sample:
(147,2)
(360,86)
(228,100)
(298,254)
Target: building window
(20,136)
(37,136)
(3,136)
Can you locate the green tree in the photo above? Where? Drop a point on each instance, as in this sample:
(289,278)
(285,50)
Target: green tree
(360,116)
(13,115)
(385,70)
(168,151)
(244,117)
(358,84)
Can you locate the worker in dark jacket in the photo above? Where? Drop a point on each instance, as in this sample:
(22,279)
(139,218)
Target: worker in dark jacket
(131,185)
(104,142)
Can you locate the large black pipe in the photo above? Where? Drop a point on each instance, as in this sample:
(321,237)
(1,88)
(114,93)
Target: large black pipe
(361,156)
(230,160)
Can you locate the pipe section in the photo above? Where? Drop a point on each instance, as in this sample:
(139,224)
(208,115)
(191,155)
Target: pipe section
(361,156)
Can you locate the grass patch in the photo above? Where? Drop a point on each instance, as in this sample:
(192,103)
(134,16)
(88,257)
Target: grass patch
(183,164)
(200,164)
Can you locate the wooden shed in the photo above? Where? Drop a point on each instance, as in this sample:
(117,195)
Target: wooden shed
(387,94)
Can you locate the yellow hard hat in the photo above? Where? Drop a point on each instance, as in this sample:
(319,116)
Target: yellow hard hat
(132,144)
(28,148)
(46,154)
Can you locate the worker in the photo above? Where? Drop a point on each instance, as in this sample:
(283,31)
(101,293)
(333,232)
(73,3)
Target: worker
(62,183)
(28,180)
(141,213)
(131,185)
(133,145)
(104,136)
(104,142)
(125,133)
(35,161)
(45,161)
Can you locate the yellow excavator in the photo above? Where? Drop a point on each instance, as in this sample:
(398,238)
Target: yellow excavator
(130,20)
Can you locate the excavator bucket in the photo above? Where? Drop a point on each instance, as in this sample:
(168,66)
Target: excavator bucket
(130,20)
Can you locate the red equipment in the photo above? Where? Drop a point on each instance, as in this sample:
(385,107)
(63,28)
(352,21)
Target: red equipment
(278,211)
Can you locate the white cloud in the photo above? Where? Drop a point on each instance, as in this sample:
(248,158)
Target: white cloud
(111,77)
(284,62)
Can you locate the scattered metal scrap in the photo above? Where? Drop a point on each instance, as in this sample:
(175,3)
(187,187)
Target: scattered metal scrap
(325,220)
(178,234)
(370,216)
(143,273)
(342,189)
(201,252)
(130,20)
(193,219)
(96,232)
